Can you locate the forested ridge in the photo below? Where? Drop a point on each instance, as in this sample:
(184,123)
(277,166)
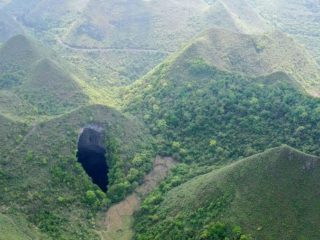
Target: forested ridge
(225,93)
(202,114)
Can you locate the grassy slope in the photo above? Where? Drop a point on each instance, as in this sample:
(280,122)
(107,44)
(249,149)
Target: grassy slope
(295,17)
(11,134)
(148,25)
(136,24)
(140,24)
(238,16)
(272,195)
(52,14)
(85,23)
(302,120)
(257,55)
(34,82)
(12,227)
(49,150)
(44,15)
(16,228)
(204,114)
(36,86)
(132,24)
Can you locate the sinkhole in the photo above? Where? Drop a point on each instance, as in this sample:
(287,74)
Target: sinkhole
(92,155)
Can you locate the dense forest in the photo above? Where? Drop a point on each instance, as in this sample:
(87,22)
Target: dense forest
(202,114)
(138,120)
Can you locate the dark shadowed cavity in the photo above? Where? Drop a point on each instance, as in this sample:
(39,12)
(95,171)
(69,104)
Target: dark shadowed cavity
(91,154)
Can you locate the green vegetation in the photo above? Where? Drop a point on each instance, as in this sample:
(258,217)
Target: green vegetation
(33,84)
(123,45)
(282,14)
(199,113)
(60,183)
(272,195)
(37,87)
(11,135)
(238,89)
(202,114)
(17,228)
(256,55)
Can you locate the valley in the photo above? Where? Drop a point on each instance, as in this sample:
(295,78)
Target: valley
(149,120)
(117,222)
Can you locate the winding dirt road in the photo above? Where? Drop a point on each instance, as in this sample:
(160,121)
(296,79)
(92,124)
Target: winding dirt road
(117,222)
(108,49)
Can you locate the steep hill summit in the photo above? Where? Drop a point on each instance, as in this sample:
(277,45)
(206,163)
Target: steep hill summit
(272,195)
(257,55)
(33,83)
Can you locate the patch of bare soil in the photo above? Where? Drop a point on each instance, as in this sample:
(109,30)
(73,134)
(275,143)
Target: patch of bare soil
(117,222)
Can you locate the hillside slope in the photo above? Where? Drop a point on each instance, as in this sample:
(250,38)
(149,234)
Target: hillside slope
(148,24)
(257,55)
(129,37)
(138,35)
(272,195)
(212,101)
(11,134)
(49,150)
(33,82)
(133,24)
(299,18)
(17,228)
(237,16)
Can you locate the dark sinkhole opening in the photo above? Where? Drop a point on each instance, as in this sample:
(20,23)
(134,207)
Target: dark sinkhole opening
(92,156)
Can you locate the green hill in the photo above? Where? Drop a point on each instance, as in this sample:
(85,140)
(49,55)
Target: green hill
(129,37)
(235,90)
(237,16)
(44,107)
(44,15)
(138,35)
(11,135)
(204,108)
(33,83)
(16,228)
(148,24)
(297,18)
(18,52)
(272,195)
(257,55)
(133,24)
(137,24)
(41,177)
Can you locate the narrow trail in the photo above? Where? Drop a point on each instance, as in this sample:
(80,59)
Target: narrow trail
(108,49)
(34,126)
(116,224)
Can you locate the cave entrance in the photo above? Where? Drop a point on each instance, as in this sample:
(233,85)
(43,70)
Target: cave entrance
(91,154)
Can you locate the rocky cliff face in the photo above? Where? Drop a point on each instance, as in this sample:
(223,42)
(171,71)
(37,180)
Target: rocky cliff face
(92,138)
